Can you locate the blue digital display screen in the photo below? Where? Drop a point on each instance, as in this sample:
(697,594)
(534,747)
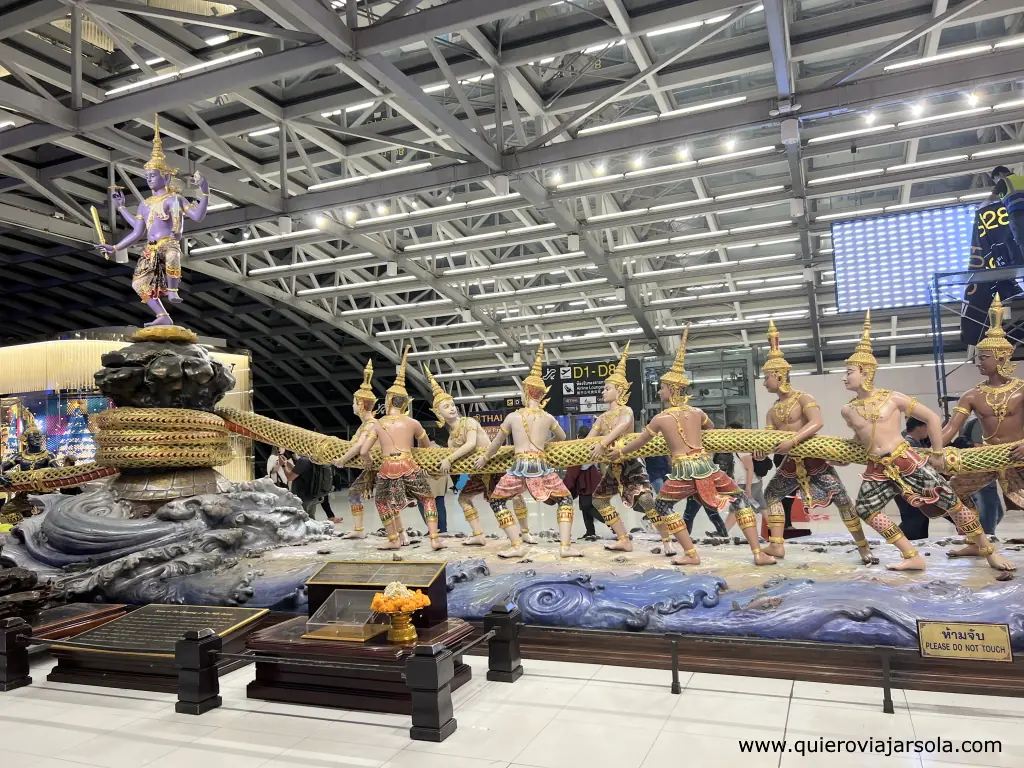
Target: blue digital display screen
(888,261)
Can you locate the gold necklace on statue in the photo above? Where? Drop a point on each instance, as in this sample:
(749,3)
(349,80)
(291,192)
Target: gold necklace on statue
(998,399)
(783,409)
(680,426)
(870,409)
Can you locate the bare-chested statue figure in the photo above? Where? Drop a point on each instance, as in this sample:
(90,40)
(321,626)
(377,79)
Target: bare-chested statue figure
(465,435)
(363,402)
(875,416)
(814,480)
(531,427)
(629,478)
(400,480)
(693,471)
(999,404)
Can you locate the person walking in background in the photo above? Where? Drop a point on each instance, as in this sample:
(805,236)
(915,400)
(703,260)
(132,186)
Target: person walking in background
(438,487)
(913,522)
(726,462)
(581,482)
(311,482)
(277,463)
(986,501)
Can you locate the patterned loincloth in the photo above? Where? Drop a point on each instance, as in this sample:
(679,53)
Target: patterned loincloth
(905,473)
(532,473)
(628,479)
(479,484)
(361,488)
(820,479)
(1011,480)
(400,482)
(159,261)
(696,474)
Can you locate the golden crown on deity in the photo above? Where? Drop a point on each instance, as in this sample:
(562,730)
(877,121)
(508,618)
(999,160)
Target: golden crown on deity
(157,159)
(776,362)
(995,340)
(618,376)
(398,388)
(676,375)
(536,378)
(862,356)
(439,395)
(365,392)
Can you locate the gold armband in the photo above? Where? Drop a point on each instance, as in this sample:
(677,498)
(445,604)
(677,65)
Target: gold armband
(423,433)
(504,430)
(705,420)
(912,406)
(650,431)
(770,427)
(961,410)
(812,404)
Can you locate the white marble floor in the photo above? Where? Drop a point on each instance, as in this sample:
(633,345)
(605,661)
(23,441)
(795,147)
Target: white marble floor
(557,715)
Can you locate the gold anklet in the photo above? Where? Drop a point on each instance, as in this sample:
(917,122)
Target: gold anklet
(435,536)
(359,530)
(690,551)
(392,538)
(666,540)
(776,540)
(623,537)
(986,551)
(908,555)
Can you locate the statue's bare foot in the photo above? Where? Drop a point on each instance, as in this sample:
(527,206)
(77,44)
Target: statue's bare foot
(971,550)
(777,551)
(403,539)
(396,544)
(437,544)
(623,545)
(763,558)
(527,538)
(866,557)
(161,320)
(355,535)
(174,298)
(669,548)
(476,540)
(516,550)
(567,550)
(685,559)
(1000,563)
(915,563)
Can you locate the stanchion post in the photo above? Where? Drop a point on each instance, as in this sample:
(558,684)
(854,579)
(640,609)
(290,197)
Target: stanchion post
(676,687)
(504,663)
(195,656)
(887,706)
(428,673)
(14,635)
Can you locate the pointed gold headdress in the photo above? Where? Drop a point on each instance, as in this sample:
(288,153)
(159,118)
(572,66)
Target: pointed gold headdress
(439,394)
(863,357)
(618,377)
(776,362)
(365,393)
(675,377)
(536,378)
(995,340)
(157,159)
(398,388)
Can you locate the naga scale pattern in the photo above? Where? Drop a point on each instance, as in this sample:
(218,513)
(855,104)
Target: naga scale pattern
(176,437)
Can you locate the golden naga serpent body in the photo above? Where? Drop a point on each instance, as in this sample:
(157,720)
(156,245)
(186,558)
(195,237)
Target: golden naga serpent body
(138,438)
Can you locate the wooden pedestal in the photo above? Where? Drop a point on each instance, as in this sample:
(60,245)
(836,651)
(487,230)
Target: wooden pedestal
(379,687)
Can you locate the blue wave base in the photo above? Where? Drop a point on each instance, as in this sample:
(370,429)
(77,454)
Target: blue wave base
(659,601)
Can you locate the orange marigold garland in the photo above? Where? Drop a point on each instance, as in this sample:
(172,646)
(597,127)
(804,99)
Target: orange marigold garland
(398,598)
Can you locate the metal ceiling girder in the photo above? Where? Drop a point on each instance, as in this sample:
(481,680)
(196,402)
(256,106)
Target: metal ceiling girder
(412,95)
(227,23)
(887,50)
(31,16)
(535,193)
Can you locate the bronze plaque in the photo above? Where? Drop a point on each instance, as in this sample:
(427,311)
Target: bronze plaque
(154,629)
(376,573)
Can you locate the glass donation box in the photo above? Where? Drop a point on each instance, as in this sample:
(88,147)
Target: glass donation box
(346,615)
